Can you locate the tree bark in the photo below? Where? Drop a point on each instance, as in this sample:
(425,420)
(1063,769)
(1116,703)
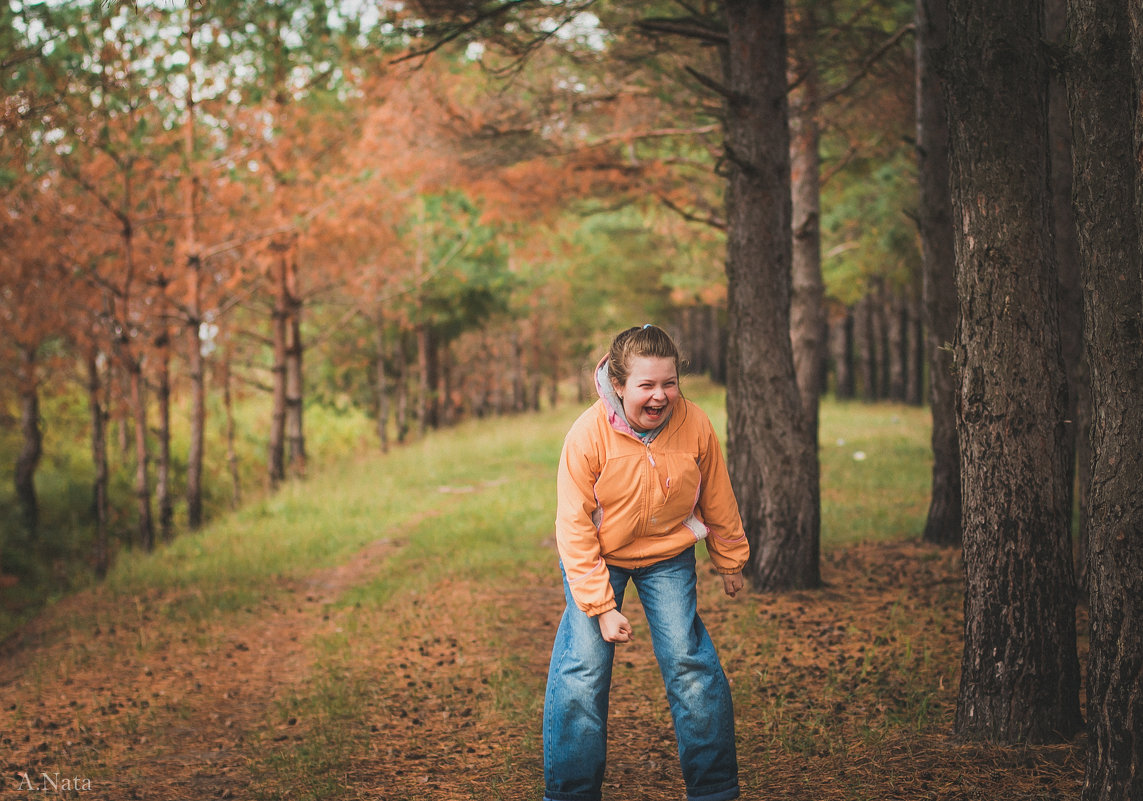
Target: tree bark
(865,335)
(101,554)
(428,406)
(196,372)
(938,271)
(163,400)
(915,386)
(401,401)
(193,261)
(295,381)
(807,300)
(279,325)
(136,385)
(897,349)
(1020,673)
(32,445)
(841,335)
(231,434)
(295,351)
(448,414)
(1103,84)
(382,380)
(146,525)
(882,352)
(519,384)
(772,455)
(1071,292)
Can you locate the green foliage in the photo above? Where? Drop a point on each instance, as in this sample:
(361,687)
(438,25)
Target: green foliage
(868,227)
(464,278)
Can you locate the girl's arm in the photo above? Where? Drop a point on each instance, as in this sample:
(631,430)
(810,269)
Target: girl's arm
(726,543)
(576,536)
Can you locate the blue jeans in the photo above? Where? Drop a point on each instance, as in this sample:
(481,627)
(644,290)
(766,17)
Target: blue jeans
(579,684)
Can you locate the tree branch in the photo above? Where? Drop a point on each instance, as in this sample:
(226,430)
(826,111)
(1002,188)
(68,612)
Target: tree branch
(709,219)
(693,28)
(461,29)
(714,86)
(873,58)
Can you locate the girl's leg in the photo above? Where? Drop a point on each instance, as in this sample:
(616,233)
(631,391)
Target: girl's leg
(697,689)
(575,704)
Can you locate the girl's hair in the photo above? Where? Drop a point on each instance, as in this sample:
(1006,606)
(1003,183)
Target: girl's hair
(647,340)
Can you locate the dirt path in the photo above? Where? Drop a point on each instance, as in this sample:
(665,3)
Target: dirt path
(842,693)
(145,710)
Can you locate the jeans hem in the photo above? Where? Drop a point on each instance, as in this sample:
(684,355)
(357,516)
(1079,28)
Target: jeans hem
(724,794)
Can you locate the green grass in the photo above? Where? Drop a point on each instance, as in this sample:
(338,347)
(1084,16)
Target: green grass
(876,471)
(876,467)
(471,504)
(234,561)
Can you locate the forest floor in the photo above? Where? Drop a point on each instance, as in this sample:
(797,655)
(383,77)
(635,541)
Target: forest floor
(846,692)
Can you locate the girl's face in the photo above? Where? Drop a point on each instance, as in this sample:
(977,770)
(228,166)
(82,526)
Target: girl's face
(651,391)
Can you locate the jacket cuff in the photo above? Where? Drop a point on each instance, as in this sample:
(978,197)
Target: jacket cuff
(595,610)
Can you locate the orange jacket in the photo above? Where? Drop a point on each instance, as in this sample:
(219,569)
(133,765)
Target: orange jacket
(625,503)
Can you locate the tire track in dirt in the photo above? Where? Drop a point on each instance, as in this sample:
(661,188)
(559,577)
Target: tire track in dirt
(145,708)
(162,712)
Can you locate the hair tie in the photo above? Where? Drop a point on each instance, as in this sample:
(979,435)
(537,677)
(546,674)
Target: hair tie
(646,326)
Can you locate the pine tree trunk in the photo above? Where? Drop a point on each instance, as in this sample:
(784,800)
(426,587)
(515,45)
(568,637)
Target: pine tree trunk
(146,526)
(295,402)
(1103,90)
(1071,291)
(231,434)
(193,310)
(717,341)
(279,325)
(1020,673)
(943,524)
(845,373)
(554,385)
(771,448)
(428,407)
(163,400)
(882,352)
(690,340)
(124,435)
(865,336)
(444,384)
(807,300)
(401,401)
(896,351)
(196,371)
(32,445)
(101,554)
(295,377)
(519,385)
(915,387)
(382,385)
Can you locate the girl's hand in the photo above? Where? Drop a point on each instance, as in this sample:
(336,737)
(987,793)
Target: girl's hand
(732,583)
(615,627)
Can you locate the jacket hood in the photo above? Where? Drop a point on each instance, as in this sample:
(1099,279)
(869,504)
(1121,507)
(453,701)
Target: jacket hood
(615,414)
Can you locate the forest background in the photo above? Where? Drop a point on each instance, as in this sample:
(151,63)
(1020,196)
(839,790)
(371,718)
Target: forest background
(440,211)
